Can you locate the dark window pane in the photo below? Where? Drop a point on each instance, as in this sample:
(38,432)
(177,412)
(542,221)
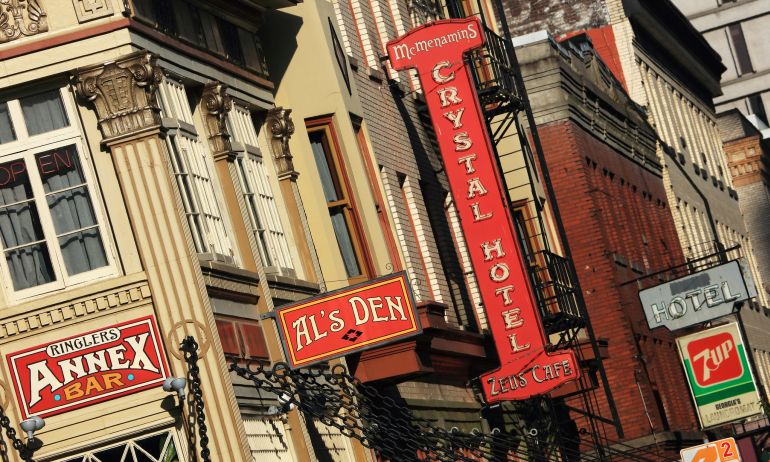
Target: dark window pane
(211,32)
(757,107)
(60,168)
(345,242)
(741,50)
(252,52)
(44,112)
(111,455)
(6,127)
(188,22)
(30,266)
(145,9)
(153,445)
(231,41)
(318,144)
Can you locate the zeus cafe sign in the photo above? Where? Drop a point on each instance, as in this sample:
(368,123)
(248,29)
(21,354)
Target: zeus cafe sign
(436,51)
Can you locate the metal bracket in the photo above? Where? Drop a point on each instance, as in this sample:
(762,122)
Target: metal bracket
(268,315)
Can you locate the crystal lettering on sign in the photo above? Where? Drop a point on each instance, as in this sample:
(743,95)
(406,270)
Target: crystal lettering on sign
(526,369)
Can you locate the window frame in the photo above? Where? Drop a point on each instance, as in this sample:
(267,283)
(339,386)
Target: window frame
(261,200)
(346,202)
(26,147)
(86,454)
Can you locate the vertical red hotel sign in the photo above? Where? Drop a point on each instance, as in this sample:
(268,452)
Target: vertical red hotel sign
(436,51)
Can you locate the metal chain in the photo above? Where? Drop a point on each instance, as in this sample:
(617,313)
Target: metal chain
(190,349)
(24,451)
(338,399)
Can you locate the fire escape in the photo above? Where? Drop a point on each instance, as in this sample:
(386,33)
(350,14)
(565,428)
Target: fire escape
(589,402)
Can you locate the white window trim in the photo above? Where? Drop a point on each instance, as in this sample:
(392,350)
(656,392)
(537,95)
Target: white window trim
(26,147)
(209,205)
(252,169)
(86,453)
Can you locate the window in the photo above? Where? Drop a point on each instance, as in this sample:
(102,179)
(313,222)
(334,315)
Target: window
(339,202)
(257,192)
(757,107)
(155,448)
(194,172)
(51,232)
(198,27)
(741,50)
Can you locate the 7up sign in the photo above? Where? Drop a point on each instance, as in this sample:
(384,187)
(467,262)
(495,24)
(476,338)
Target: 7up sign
(720,378)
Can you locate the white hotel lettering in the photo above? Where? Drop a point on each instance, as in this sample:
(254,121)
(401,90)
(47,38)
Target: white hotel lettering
(498,272)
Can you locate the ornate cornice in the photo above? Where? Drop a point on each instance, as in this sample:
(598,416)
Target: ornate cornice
(123,93)
(216,103)
(281,129)
(121,297)
(21,18)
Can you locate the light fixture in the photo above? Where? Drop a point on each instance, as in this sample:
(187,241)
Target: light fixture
(31,425)
(285,400)
(176,384)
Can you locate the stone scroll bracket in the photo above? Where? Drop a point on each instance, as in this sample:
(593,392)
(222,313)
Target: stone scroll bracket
(124,94)
(281,129)
(216,104)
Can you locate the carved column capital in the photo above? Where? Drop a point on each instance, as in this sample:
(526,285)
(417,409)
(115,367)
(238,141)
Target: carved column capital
(21,18)
(281,128)
(123,92)
(216,103)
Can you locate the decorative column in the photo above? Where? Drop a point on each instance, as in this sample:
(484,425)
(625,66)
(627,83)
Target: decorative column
(123,93)
(281,128)
(215,105)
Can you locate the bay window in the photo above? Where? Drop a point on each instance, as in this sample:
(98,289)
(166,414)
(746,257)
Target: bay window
(50,227)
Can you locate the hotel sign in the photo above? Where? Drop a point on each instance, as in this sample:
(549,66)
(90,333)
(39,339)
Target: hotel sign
(88,368)
(348,320)
(436,51)
(697,298)
(719,375)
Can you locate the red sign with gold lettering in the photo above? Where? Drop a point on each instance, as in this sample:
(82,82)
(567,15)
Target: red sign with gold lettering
(436,51)
(88,368)
(348,320)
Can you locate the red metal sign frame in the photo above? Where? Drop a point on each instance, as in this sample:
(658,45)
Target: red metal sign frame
(436,50)
(348,320)
(88,368)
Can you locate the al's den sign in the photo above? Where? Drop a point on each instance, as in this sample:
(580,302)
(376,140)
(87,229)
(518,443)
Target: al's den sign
(348,320)
(697,298)
(88,368)
(436,50)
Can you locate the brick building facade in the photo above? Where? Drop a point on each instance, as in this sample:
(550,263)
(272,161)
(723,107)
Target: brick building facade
(600,151)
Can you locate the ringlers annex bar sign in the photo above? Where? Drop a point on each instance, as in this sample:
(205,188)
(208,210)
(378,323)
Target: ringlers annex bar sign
(436,51)
(88,368)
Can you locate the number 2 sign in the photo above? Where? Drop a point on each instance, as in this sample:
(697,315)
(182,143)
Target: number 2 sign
(725,450)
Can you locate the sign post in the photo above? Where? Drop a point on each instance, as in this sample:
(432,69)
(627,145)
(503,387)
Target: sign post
(717,368)
(436,50)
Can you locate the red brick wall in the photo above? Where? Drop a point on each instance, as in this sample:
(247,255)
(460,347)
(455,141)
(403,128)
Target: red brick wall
(612,207)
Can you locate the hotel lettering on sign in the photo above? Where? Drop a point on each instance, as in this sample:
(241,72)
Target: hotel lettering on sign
(436,51)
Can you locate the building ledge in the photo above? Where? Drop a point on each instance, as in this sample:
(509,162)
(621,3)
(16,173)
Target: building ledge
(440,347)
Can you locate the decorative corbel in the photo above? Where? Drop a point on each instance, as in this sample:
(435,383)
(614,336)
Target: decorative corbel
(281,129)
(216,103)
(123,92)
(21,18)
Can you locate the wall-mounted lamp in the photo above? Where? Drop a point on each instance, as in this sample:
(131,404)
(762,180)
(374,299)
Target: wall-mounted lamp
(176,384)
(31,425)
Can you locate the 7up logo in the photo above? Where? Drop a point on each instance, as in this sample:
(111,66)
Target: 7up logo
(715,359)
